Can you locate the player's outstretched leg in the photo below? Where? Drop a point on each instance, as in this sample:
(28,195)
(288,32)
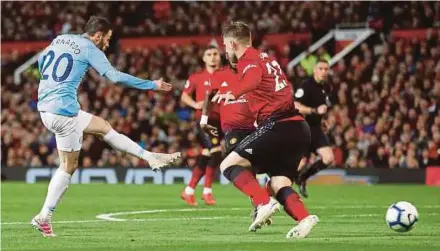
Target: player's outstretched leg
(294,207)
(327,157)
(213,164)
(236,169)
(57,187)
(120,142)
(187,194)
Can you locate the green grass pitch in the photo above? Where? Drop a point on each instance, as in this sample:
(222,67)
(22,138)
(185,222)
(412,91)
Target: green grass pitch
(352,218)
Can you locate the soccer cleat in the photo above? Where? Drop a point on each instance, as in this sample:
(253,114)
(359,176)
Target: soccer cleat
(190,199)
(268,222)
(263,213)
(43,225)
(158,161)
(303,228)
(209,199)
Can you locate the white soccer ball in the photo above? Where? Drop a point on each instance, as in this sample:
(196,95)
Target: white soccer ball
(402,216)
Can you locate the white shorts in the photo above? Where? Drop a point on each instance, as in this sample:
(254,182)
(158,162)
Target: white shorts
(68,130)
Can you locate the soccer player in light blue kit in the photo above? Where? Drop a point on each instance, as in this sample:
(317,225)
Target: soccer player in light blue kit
(63,65)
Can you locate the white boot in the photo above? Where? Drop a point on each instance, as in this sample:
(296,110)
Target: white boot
(264,212)
(303,228)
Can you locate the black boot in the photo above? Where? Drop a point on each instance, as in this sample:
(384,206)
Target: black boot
(306,173)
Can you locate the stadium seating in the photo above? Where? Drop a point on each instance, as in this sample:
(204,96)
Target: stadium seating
(44,20)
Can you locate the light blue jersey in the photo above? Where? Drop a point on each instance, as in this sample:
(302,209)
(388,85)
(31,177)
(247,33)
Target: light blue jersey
(63,65)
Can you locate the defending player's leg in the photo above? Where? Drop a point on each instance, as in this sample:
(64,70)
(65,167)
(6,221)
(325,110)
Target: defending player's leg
(293,206)
(326,159)
(120,142)
(213,164)
(237,170)
(199,170)
(57,188)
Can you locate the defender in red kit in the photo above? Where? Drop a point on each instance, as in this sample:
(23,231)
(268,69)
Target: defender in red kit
(211,156)
(280,140)
(237,121)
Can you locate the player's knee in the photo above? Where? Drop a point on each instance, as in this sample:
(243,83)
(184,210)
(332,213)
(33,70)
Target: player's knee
(69,166)
(328,158)
(234,159)
(278,182)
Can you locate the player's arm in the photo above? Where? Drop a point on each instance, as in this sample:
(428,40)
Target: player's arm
(186,96)
(301,95)
(100,63)
(206,110)
(252,74)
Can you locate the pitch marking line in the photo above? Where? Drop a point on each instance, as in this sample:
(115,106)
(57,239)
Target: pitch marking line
(109,217)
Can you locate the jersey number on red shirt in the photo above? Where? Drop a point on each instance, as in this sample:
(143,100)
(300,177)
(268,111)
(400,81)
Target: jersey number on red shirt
(275,69)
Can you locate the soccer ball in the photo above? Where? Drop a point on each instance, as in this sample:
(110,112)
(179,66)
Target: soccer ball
(401,216)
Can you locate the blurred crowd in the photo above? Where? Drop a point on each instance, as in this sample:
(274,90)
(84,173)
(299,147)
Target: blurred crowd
(31,20)
(386,110)
(385,96)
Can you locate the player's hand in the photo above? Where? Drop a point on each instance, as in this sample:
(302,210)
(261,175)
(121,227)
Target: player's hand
(209,129)
(227,97)
(198,105)
(162,85)
(321,109)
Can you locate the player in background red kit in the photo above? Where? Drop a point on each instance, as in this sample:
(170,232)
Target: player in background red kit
(211,156)
(279,142)
(237,121)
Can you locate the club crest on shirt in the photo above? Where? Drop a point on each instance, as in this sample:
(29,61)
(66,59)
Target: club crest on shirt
(233,141)
(206,83)
(263,55)
(224,84)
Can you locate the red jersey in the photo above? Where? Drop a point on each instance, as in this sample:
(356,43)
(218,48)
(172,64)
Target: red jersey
(267,89)
(235,115)
(200,82)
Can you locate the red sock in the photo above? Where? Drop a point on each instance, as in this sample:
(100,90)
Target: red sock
(197,175)
(294,207)
(248,184)
(209,176)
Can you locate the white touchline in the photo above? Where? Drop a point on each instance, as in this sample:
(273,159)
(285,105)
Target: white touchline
(109,217)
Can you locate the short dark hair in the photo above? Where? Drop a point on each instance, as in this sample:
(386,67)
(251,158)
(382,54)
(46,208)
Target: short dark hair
(210,47)
(238,30)
(96,24)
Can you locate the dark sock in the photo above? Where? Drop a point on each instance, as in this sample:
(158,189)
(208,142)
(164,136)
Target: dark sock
(213,163)
(245,181)
(292,203)
(311,170)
